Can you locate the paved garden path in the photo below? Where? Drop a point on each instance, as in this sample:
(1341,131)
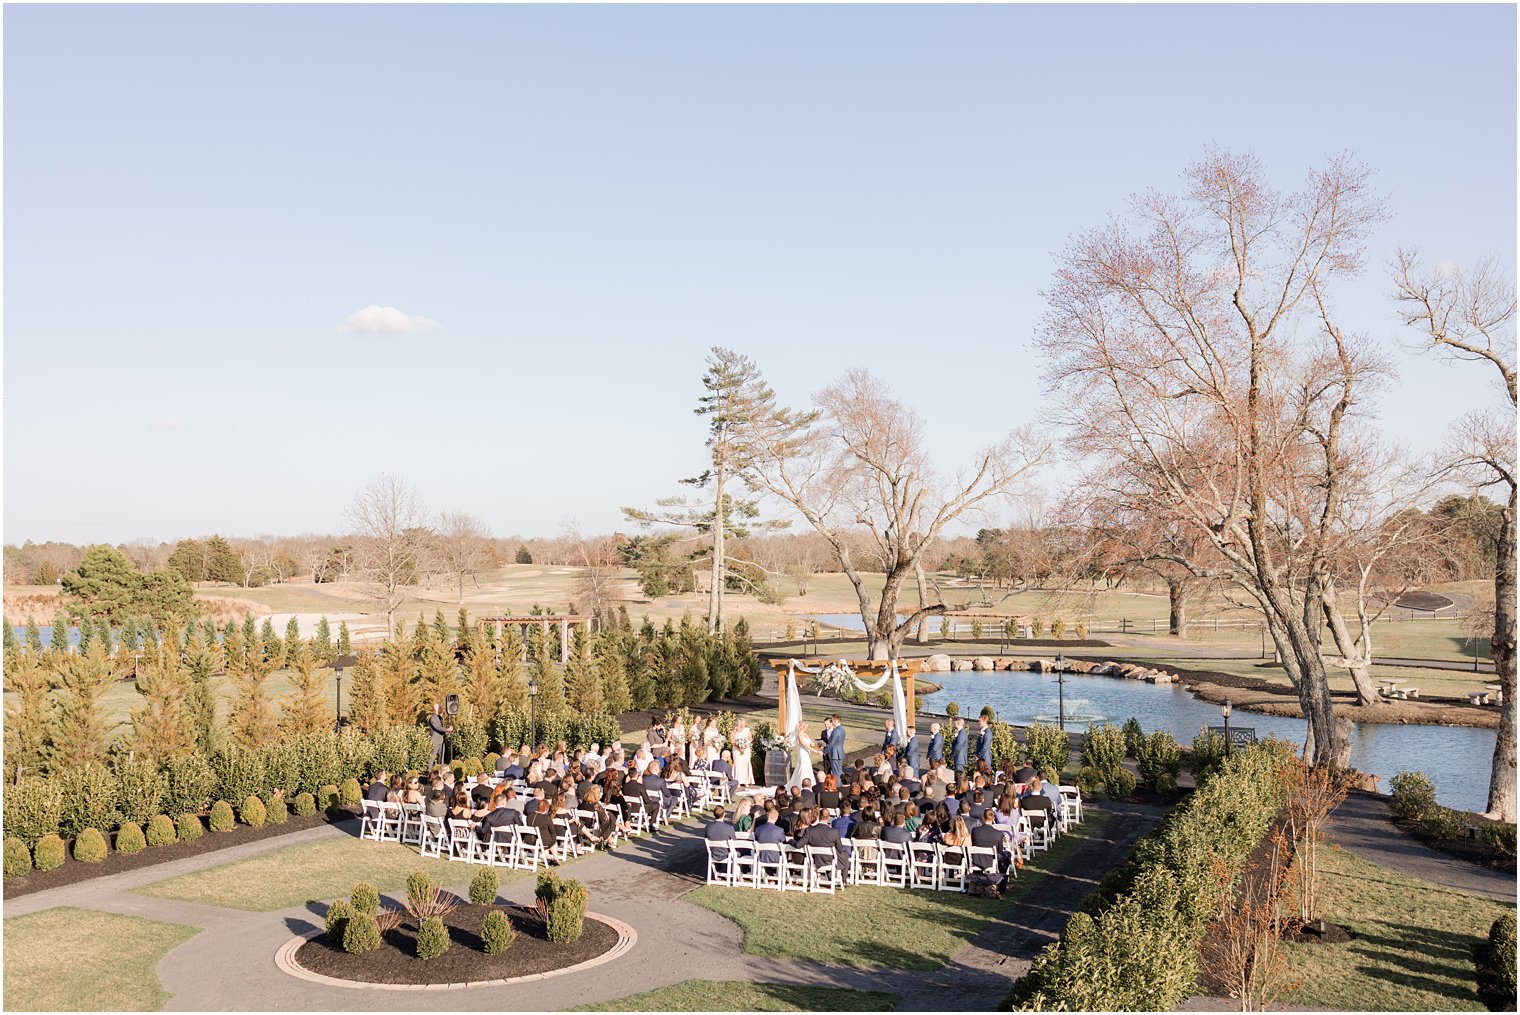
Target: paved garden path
(1363,824)
(229,964)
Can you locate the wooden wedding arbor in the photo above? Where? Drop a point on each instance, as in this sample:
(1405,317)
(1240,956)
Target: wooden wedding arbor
(908,668)
(542,621)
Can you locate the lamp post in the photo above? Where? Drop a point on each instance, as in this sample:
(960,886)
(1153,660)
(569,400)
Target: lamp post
(1061,690)
(1224,710)
(533,711)
(338,672)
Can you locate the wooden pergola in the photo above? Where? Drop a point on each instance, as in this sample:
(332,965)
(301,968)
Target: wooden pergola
(542,621)
(863,668)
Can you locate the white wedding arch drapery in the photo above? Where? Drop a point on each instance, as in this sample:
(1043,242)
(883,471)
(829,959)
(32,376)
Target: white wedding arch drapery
(899,698)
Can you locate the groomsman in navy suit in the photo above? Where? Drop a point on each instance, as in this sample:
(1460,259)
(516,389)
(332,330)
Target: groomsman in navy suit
(984,740)
(936,743)
(835,746)
(911,750)
(958,746)
(891,739)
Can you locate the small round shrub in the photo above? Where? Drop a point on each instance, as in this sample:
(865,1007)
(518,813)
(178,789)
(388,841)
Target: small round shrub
(1501,954)
(562,901)
(496,932)
(350,794)
(952,709)
(276,813)
(161,831)
(221,817)
(418,887)
(484,888)
(190,827)
(988,712)
(1442,822)
(489,764)
(338,915)
(432,938)
(129,839)
(457,767)
(327,797)
(18,859)
(365,898)
(1413,795)
(1500,838)
(305,805)
(361,934)
(253,813)
(49,853)
(90,847)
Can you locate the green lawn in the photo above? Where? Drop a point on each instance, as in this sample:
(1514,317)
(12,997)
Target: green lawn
(740,995)
(1413,946)
(316,871)
(896,928)
(70,959)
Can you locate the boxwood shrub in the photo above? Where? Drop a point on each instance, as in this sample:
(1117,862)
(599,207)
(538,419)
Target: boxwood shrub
(32,809)
(18,859)
(275,811)
(221,817)
(484,887)
(338,915)
(361,934)
(161,831)
(189,827)
(305,805)
(496,932)
(349,794)
(1413,795)
(432,938)
(49,853)
(327,797)
(129,839)
(90,846)
(562,902)
(253,812)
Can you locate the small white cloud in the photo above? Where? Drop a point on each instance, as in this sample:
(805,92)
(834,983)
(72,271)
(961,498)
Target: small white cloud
(168,424)
(378,320)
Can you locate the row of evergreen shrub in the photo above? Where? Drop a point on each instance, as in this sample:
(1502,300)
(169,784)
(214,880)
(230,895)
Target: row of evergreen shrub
(1134,944)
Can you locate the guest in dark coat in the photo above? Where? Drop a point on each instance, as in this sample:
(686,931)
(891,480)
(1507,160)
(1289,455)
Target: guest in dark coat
(719,829)
(816,833)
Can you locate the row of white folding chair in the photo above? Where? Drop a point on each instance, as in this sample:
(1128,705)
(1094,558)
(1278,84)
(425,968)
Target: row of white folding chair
(1071,803)
(773,865)
(391,822)
(518,846)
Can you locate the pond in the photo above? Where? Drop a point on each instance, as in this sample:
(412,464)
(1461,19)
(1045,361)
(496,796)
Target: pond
(1455,758)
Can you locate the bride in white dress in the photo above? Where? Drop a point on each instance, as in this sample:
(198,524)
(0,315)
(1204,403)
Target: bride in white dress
(802,758)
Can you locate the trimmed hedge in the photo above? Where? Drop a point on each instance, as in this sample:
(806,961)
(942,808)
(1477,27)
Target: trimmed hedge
(190,827)
(33,808)
(18,859)
(221,817)
(161,831)
(1159,759)
(129,839)
(90,846)
(1495,962)
(1134,945)
(305,805)
(350,794)
(50,853)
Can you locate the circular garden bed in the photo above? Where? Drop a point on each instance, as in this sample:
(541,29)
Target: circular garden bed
(395,963)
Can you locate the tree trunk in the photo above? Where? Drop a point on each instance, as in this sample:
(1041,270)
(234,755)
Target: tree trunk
(1356,652)
(715,594)
(1501,786)
(921,633)
(1177,590)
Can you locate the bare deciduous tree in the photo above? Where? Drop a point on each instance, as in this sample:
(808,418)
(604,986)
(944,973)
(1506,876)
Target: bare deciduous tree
(464,547)
(860,467)
(1195,345)
(1471,316)
(596,586)
(384,519)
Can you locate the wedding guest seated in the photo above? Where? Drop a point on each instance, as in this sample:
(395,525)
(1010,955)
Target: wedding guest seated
(460,808)
(841,823)
(770,832)
(1007,810)
(951,805)
(535,803)
(654,786)
(480,794)
(814,832)
(868,827)
(912,819)
(744,815)
(977,806)
(437,804)
(907,779)
(510,766)
(499,816)
(828,797)
(1025,772)
(606,823)
(984,834)
(719,829)
(379,788)
(724,766)
(896,830)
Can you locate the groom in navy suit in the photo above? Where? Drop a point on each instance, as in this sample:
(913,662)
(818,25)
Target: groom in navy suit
(958,746)
(835,747)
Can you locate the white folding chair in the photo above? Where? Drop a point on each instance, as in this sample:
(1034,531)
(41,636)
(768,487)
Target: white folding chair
(720,869)
(797,871)
(717,789)
(638,817)
(892,864)
(923,871)
(435,836)
(952,868)
(529,850)
(865,861)
(770,866)
(501,851)
(390,822)
(565,836)
(372,822)
(983,858)
(411,823)
(1071,801)
(1040,829)
(746,870)
(824,874)
(463,844)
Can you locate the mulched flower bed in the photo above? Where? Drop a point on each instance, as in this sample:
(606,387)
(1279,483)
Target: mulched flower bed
(1310,933)
(73,871)
(396,961)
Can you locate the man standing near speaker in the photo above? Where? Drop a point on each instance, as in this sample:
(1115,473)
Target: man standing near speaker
(439,728)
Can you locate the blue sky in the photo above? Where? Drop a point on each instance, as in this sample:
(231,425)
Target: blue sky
(586,198)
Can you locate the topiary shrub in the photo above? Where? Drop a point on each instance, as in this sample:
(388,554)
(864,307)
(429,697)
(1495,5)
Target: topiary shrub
(1133,735)
(1442,822)
(1495,961)
(484,887)
(432,938)
(327,797)
(1159,759)
(952,709)
(361,934)
(473,767)
(1413,795)
(33,808)
(561,904)
(90,846)
(221,817)
(1500,838)
(365,898)
(275,812)
(253,813)
(161,831)
(129,839)
(490,760)
(350,794)
(18,859)
(189,827)
(1104,754)
(496,932)
(49,853)
(338,915)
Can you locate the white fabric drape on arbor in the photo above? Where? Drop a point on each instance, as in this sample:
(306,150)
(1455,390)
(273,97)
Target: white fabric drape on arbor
(899,698)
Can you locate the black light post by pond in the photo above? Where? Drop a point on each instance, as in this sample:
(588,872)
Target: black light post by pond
(1224,710)
(533,711)
(1061,690)
(338,672)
